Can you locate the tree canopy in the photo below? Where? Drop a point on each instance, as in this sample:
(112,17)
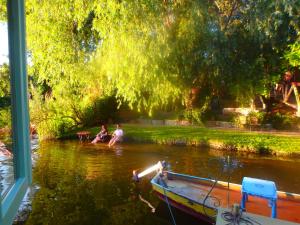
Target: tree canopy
(151,53)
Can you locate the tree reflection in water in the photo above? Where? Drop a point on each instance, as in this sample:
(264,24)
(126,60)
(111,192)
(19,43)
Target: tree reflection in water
(82,188)
(87,184)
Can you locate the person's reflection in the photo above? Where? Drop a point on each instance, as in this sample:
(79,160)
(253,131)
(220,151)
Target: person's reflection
(119,150)
(4,151)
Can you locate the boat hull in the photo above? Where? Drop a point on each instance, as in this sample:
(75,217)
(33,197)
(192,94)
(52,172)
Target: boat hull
(185,204)
(186,209)
(189,194)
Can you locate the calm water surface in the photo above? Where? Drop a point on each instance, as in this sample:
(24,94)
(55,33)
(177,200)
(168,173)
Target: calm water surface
(87,184)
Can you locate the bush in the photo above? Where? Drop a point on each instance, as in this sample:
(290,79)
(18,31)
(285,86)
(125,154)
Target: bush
(194,116)
(54,128)
(102,110)
(239,120)
(5,117)
(255,118)
(55,117)
(282,122)
(5,102)
(259,116)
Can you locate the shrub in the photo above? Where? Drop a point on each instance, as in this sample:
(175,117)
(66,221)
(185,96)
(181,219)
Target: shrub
(5,117)
(5,102)
(102,110)
(255,118)
(194,116)
(282,122)
(262,148)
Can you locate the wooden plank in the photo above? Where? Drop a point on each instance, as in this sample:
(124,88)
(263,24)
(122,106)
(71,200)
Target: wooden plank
(285,92)
(297,99)
(296,84)
(251,217)
(286,98)
(294,106)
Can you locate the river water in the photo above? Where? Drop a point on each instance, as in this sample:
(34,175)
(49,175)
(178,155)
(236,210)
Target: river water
(81,183)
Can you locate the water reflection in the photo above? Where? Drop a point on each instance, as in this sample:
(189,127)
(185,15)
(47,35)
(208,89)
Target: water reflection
(6,173)
(82,183)
(223,166)
(119,150)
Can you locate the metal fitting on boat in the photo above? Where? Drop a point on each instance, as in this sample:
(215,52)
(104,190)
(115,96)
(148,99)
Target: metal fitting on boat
(164,164)
(135,176)
(235,210)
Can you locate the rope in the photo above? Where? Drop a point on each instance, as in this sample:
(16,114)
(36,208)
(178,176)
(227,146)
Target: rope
(167,201)
(148,203)
(207,196)
(236,220)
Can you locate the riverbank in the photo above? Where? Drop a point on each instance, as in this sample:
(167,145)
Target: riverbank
(233,140)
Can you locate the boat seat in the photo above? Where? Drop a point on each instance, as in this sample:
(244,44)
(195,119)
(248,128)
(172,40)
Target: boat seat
(259,188)
(189,192)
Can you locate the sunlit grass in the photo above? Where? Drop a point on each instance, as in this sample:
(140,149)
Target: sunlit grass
(217,138)
(232,139)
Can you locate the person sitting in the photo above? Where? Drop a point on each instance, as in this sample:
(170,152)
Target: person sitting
(117,136)
(102,136)
(4,151)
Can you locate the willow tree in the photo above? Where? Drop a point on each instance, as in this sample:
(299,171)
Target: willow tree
(152,51)
(60,41)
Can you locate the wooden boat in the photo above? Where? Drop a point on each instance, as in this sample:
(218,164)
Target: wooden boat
(195,196)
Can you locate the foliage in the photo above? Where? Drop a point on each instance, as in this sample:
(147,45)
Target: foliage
(102,111)
(5,117)
(60,41)
(256,33)
(5,113)
(140,49)
(149,54)
(255,117)
(195,115)
(215,47)
(3,10)
(50,120)
(282,122)
(293,54)
(4,81)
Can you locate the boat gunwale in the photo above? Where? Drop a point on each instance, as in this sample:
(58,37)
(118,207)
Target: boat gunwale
(183,196)
(283,195)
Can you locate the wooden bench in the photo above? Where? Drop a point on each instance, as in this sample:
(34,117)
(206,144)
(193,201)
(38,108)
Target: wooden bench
(83,135)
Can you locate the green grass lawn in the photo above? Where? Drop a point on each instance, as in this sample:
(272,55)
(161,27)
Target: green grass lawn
(223,139)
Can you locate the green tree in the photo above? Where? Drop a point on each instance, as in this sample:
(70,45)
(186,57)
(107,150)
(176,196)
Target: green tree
(152,53)
(4,81)
(60,41)
(293,54)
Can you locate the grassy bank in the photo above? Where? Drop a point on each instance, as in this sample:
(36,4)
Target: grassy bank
(221,139)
